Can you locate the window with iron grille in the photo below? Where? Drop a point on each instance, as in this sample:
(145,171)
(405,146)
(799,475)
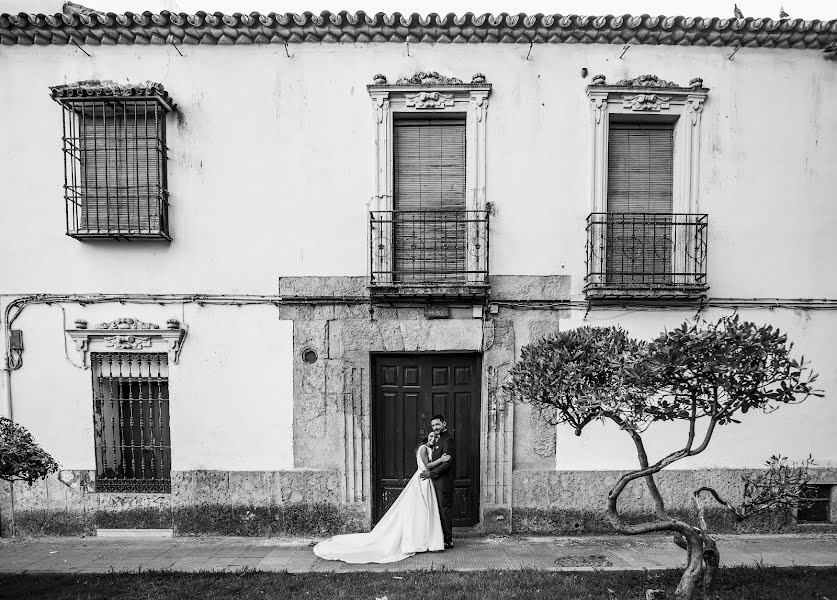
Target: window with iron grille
(816,507)
(115,180)
(131,422)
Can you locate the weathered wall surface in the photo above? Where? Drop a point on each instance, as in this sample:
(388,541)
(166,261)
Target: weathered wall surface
(200,503)
(569,502)
(794,430)
(270,173)
(231,391)
(271,161)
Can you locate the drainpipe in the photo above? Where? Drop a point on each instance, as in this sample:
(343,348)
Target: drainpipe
(7,385)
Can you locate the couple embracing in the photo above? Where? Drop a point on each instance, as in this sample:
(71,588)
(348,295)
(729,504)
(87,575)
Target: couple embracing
(420,520)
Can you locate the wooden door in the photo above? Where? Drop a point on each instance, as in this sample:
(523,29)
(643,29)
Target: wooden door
(407,390)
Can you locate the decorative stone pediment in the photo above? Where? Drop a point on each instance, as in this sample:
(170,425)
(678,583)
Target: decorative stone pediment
(127,323)
(127,334)
(646,81)
(428,78)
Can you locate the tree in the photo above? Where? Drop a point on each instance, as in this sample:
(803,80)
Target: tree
(706,375)
(21,458)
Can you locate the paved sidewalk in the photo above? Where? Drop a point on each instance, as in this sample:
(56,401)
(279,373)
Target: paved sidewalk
(294,555)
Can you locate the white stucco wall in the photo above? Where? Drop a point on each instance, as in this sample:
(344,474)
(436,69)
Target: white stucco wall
(794,430)
(272,163)
(270,172)
(230,393)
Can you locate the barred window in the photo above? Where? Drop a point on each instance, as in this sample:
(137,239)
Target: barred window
(115,178)
(131,422)
(816,506)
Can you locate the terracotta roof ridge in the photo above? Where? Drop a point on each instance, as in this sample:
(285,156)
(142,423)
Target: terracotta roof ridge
(82,25)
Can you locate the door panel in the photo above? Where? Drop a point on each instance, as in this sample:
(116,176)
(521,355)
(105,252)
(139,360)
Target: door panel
(407,391)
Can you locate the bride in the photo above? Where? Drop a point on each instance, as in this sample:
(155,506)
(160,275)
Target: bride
(410,525)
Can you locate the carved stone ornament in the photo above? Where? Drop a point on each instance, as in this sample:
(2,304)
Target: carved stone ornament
(138,335)
(646,81)
(127,342)
(428,78)
(646,102)
(127,323)
(424,100)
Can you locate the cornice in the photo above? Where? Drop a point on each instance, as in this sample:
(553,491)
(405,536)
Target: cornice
(83,91)
(429,80)
(127,334)
(646,84)
(95,28)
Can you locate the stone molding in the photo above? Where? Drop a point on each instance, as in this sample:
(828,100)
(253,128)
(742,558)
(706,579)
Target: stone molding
(133,335)
(95,28)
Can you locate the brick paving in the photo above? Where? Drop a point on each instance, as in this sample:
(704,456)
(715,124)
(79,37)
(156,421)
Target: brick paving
(294,555)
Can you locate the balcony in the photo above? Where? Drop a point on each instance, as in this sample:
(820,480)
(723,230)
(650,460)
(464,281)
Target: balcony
(428,254)
(652,256)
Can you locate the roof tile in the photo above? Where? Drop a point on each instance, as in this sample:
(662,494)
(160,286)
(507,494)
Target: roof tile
(96,27)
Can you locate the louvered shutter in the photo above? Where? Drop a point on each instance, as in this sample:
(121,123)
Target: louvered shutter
(121,168)
(429,200)
(639,199)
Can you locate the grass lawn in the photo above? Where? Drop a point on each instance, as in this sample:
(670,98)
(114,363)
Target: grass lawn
(738,583)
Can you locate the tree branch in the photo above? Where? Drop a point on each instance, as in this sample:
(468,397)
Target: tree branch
(642,455)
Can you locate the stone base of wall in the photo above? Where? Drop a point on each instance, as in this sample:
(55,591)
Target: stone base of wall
(309,502)
(303,502)
(574,502)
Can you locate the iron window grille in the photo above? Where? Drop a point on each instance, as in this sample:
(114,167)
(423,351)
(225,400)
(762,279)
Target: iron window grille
(131,422)
(642,251)
(115,179)
(816,505)
(428,247)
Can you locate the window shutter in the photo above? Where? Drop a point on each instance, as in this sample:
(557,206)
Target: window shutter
(639,181)
(429,200)
(429,165)
(640,167)
(121,168)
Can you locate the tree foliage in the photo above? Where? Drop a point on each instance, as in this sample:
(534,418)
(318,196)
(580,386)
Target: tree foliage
(705,374)
(21,458)
(586,374)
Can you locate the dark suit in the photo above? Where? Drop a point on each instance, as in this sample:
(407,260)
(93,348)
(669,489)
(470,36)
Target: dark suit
(442,477)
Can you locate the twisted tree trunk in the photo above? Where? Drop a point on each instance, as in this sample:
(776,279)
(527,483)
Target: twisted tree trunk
(698,546)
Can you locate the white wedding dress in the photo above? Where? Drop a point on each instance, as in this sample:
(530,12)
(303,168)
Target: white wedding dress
(410,525)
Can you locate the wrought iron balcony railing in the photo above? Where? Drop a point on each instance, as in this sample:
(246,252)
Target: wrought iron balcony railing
(428,248)
(646,253)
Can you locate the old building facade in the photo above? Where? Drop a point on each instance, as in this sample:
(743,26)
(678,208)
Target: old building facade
(248,257)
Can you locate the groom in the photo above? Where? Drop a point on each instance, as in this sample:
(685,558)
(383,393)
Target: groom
(442,476)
